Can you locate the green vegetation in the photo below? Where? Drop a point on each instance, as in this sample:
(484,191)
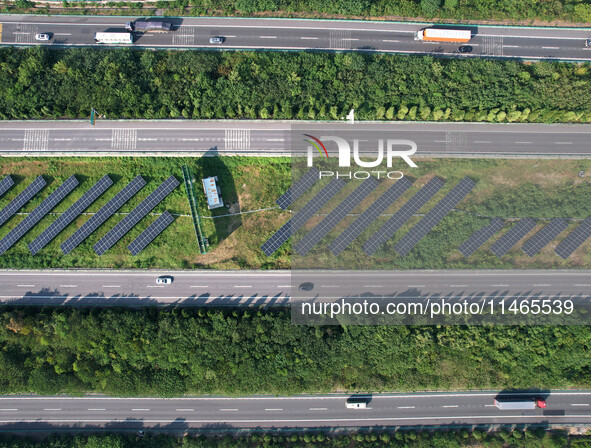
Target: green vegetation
(458,438)
(41,83)
(540,189)
(513,11)
(170,352)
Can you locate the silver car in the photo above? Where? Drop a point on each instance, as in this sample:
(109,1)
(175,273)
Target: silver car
(217,40)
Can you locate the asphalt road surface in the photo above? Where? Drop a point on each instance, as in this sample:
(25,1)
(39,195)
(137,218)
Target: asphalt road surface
(329,411)
(243,288)
(185,137)
(278,34)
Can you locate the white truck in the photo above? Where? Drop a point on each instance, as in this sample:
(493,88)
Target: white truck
(113,38)
(519,404)
(443,35)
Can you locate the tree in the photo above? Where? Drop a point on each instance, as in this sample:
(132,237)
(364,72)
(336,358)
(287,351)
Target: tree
(430,7)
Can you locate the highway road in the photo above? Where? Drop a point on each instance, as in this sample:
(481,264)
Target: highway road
(282,34)
(328,411)
(243,288)
(187,137)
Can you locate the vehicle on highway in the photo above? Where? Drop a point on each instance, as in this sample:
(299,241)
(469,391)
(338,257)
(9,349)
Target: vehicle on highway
(42,36)
(588,43)
(164,280)
(113,38)
(357,402)
(307,286)
(443,35)
(465,49)
(217,40)
(149,26)
(508,404)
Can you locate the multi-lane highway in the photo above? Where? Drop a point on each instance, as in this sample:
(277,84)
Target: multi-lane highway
(187,137)
(240,288)
(329,411)
(281,34)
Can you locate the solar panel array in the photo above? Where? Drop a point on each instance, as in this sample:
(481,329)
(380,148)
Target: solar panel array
(6,184)
(336,216)
(36,215)
(22,199)
(537,242)
(148,235)
(129,221)
(480,237)
(435,215)
(302,216)
(393,224)
(574,239)
(70,214)
(299,187)
(510,239)
(103,214)
(372,212)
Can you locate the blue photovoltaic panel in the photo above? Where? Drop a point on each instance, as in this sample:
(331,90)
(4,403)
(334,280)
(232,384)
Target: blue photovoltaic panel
(336,216)
(537,242)
(298,188)
(437,213)
(480,237)
(127,223)
(103,214)
(393,224)
(372,213)
(70,214)
(302,216)
(6,184)
(574,239)
(513,235)
(148,235)
(36,215)
(26,195)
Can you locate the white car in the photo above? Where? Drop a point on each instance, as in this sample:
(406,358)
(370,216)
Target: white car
(164,280)
(217,40)
(42,37)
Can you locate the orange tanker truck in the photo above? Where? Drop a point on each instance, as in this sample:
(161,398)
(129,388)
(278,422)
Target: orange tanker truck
(443,35)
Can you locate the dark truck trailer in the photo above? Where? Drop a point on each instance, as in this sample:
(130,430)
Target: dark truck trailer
(147,26)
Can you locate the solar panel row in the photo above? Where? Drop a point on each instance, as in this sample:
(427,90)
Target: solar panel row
(574,239)
(302,216)
(336,216)
(6,184)
(148,235)
(24,197)
(299,187)
(510,239)
(435,215)
(372,213)
(103,214)
(480,237)
(537,242)
(129,221)
(393,224)
(70,214)
(38,213)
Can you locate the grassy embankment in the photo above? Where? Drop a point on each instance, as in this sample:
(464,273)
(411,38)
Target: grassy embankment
(505,188)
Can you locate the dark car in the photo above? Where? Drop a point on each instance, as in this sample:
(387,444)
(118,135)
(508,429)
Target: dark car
(465,49)
(307,286)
